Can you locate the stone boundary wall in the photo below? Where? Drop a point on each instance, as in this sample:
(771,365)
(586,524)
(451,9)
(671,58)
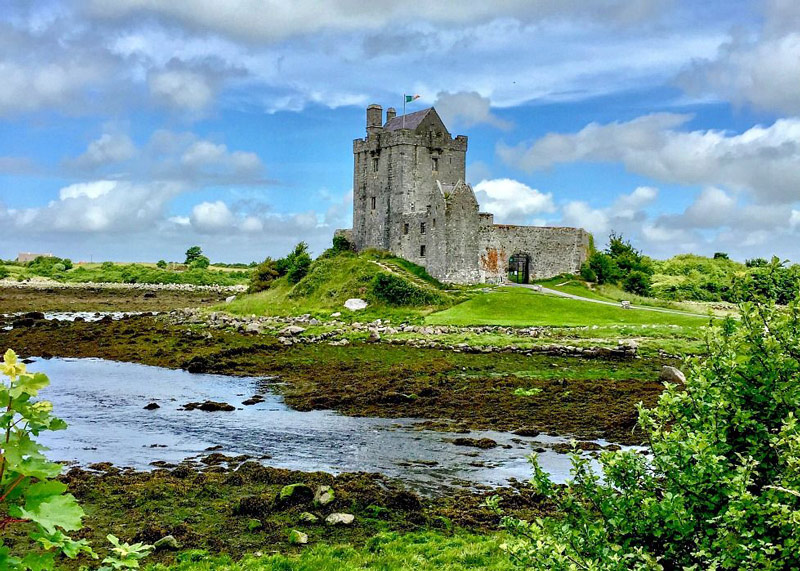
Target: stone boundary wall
(552,250)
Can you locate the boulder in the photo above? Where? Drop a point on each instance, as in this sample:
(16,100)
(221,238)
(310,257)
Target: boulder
(483,443)
(295,494)
(336,314)
(151,406)
(340,519)
(292,330)
(209,406)
(355,304)
(230,299)
(308,517)
(297,537)
(671,375)
(252,327)
(374,336)
(324,496)
(167,542)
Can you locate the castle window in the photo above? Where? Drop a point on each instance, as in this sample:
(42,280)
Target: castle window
(422,251)
(421,227)
(373,202)
(435,161)
(375,164)
(434,222)
(405,228)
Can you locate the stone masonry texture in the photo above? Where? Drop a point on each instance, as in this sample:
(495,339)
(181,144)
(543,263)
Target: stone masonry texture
(410,198)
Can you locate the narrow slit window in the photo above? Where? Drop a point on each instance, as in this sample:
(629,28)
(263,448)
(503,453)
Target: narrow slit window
(405,229)
(435,161)
(422,228)
(373,202)
(375,164)
(422,251)
(433,224)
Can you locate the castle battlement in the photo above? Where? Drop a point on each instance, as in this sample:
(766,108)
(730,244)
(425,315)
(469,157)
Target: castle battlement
(410,197)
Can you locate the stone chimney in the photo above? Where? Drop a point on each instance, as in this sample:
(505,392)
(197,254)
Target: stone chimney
(391,113)
(374,118)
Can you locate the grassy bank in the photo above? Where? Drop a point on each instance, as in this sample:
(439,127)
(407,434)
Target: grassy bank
(523,307)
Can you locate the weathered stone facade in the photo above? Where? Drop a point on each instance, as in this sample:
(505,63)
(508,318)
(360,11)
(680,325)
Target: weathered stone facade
(410,198)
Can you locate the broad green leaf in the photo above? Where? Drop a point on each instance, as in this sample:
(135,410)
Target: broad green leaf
(39,561)
(56,511)
(30,384)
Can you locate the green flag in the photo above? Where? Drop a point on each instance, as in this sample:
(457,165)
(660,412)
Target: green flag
(410,98)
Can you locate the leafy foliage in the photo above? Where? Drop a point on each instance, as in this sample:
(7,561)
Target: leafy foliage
(192,254)
(161,264)
(124,555)
(263,275)
(396,290)
(30,496)
(200,263)
(4,272)
(720,488)
(297,263)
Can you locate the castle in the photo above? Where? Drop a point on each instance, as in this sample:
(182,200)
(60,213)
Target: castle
(410,198)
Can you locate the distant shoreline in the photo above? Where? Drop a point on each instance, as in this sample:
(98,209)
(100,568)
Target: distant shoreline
(49,284)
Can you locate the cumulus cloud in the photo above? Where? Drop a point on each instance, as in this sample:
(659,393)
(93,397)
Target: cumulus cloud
(626,213)
(763,161)
(511,201)
(761,69)
(467,109)
(109,149)
(182,88)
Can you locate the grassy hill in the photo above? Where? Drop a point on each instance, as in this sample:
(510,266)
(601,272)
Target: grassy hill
(389,284)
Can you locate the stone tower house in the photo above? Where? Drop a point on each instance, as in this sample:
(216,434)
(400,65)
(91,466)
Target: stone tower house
(410,198)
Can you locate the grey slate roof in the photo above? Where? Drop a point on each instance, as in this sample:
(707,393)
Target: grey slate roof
(412,120)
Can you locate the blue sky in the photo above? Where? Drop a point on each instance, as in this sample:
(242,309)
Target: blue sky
(132,129)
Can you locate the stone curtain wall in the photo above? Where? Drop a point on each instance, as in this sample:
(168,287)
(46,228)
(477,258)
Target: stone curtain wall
(552,251)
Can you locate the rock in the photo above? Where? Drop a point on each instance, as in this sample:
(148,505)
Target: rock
(297,537)
(324,496)
(149,295)
(672,375)
(166,542)
(230,299)
(252,328)
(355,304)
(292,330)
(483,443)
(209,406)
(336,314)
(295,494)
(313,321)
(588,446)
(255,399)
(308,517)
(257,506)
(340,519)
(151,406)
(526,431)
(374,336)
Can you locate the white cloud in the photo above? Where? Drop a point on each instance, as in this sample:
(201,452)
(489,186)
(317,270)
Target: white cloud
(625,214)
(467,109)
(94,189)
(106,150)
(764,161)
(212,217)
(183,89)
(511,201)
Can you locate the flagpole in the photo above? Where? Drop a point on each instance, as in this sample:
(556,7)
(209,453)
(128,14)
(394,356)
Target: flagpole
(404,110)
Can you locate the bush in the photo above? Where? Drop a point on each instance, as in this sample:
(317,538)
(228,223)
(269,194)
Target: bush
(637,282)
(395,290)
(341,244)
(263,276)
(162,264)
(587,273)
(200,263)
(604,268)
(59,267)
(4,273)
(192,254)
(297,263)
(720,488)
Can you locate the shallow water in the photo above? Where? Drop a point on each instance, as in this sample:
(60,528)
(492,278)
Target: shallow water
(102,401)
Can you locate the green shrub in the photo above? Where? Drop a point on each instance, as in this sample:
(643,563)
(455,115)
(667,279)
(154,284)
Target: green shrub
(396,290)
(192,254)
(604,267)
(720,487)
(263,275)
(297,263)
(200,263)
(637,282)
(162,264)
(587,273)
(4,273)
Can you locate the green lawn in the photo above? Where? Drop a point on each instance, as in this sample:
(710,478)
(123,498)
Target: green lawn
(523,307)
(420,551)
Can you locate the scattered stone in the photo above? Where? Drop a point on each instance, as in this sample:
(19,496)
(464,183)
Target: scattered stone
(588,446)
(212,448)
(149,295)
(340,519)
(209,406)
(526,431)
(613,447)
(296,494)
(297,537)
(292,330)
(255,399)
(167,542)
(355,304)
(308,517)
(151,406)
(230,299)
(252,327)
(374,336)
(336,314)
(483,443)
(672,375)
(257,506)
(324,496)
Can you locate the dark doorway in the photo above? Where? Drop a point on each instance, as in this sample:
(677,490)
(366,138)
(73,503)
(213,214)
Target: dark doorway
(519,268)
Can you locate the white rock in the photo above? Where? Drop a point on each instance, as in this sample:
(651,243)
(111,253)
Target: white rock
(339,519)
(355,304)
(229,299)
(336,314)
(671,375)
(292,330)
